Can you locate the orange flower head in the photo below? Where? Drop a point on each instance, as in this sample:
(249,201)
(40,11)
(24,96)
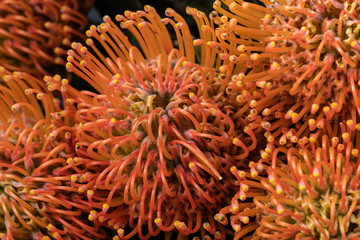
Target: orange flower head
(35,34)
(37,197)
(310,51)
(160,131)
(313,192)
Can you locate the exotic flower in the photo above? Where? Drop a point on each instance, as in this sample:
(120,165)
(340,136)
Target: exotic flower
(159,132)
(311,50)
(37,198)
(313,193)
(34,35)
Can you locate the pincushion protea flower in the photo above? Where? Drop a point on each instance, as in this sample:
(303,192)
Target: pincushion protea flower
(35,34)
(159,130)
(311,50)
(313,193)
(37,198)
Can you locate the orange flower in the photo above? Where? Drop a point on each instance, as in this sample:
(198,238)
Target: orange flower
(311,51)
(35,34)
(313,193)
(37,198)
(160,133)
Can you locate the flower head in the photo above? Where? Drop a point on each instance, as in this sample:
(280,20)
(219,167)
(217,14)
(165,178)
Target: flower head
(160,132)
(310,49)
(35,34)
(313,193)
(37,198)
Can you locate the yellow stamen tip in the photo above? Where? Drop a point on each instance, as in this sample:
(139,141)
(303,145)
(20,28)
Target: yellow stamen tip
(49,226)
(245,220)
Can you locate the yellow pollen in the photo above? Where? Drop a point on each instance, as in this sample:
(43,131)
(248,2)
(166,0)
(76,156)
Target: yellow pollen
(49,226)
(120,231)
(241,174)
(80,190)
(320,125)
(272,180)
(234,208)
(106,206)
(32,192)
(157,220)
(254,56)
(242,196)
(302,187)
(191,165)
(315,107)
(113,120)
(270,139)
(253,103)
(245,5)
(191,94)
(354,152)
(241,48)
(280,210)
(333,105)
(55,234)
(245,220)
(235,140)
(101,219)
(237,228)
(275,65)
(268,150)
